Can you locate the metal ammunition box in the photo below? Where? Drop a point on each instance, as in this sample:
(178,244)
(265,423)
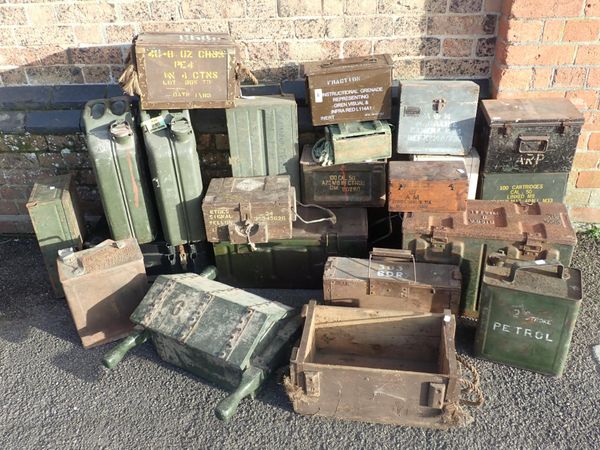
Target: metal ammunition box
(385,366)
(297,262)
(471,161)
(175,172)
(103,285)
(391,279)
(524,187)
(529,135)
(263,137)
(186,70)
(528,313)
(120,167)
(437,117)
(354,184)
(161,258)
(359,141)
(350,89)
(249,210)
(522,231)
(435,186)
(224,335)
(57,221)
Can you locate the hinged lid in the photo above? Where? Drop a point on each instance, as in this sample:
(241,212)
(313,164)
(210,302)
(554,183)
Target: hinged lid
(350,130)
(165,39)
(531,111)
(269,189)
(346,65)
(421,171)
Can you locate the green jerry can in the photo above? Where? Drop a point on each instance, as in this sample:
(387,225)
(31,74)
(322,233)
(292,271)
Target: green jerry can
(524,187)
(527,314)
(524,231)
(175,172)
(57,221)
(224,335)
(263,137)
(120,168)
(297,262)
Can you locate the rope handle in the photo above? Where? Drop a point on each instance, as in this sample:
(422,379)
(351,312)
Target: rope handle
(332,217)
(470,387)
(243,73)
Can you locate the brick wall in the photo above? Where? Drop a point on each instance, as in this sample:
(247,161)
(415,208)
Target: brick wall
(552,48)
(86,41)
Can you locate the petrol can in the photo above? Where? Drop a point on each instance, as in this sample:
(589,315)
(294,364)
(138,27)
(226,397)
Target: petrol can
(119,164)
(175,173)
(376,365)
(524,187)
(359,141)
(103,285)
(436,186)
(297,262)
(224,335)
(528,313)
(537,135)
(437,116)
(471,161)
(353,184)
(350,89)
(57,220)
(186,70)
(263,137)
(249,210)
(391,279)
(524,231)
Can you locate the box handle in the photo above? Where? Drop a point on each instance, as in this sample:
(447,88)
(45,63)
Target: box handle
(527,144)
(538,263)
(343,63)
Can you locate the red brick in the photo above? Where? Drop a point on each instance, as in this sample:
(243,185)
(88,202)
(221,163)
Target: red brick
(583,139)
(531,94)
(553,30)
(96,55)
(357,48)
(492,6)
(583,100)
(513,79)
(46,55)
(588,54)
(542,8)
(592,121)
(88,34)
(594,78)
(472,24)
(542,77)
(588,215)
(594,142)
(586,160)
(545,55)
(581,30)
(588,179)
(570,76)
(592,8)
(520,30)
(457,47)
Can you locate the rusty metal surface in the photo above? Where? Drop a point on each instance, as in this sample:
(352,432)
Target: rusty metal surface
(186,70)
(249,210)
(350,89)
(103,285)
(435,186)
(530,110)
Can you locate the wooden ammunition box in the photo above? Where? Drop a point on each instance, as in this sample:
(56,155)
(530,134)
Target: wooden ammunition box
(436,186)
(249,210)
(521,230)
(524,187)
(186,70)
(359,141)
(353,184)
(103,286)
(350,89)
(529,135)
(384,366)
(391,279)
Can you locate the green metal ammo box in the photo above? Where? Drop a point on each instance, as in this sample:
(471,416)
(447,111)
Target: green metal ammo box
(263,137)
(522,231)
(175,171)
(120,168)
(524,187)
(527,314)
(359,141)
(297,262)
(222,334)
(57,221)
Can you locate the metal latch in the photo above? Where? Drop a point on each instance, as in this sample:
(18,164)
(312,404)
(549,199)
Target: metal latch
(532,246)
(438,105)
(312,384)
(505,130)
(435,397)
(439,239)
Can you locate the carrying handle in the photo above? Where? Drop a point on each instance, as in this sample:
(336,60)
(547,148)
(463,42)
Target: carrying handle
(114,356)
(332,217)
(531,264)
(249,384)
(385,254)
(526,141)
(343,63)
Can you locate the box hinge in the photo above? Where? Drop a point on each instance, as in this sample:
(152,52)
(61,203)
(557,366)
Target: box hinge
(332,244)
(312,384)
(439,239)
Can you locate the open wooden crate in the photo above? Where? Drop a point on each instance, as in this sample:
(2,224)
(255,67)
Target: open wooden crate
(372,365)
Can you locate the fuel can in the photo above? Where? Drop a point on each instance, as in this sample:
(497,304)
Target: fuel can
(524,187)
(528,313)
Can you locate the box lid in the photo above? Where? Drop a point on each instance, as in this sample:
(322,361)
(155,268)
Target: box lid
(269,189)
(49,189)
(265,101)
(165,39)
(348,130)
(345,65)
(534,110)
(427,170)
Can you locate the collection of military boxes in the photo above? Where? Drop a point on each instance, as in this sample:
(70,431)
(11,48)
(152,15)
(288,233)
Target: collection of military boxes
(390,314)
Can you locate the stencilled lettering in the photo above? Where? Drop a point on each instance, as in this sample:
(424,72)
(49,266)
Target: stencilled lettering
(537,335)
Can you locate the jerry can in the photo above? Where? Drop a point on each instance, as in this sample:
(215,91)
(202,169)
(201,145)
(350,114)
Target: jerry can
(524,187)
(103,285)
(528,311)
(221,334)
(522,231)
(391,279)
(263,137)
(57,220)
(120,168)
(175,173)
